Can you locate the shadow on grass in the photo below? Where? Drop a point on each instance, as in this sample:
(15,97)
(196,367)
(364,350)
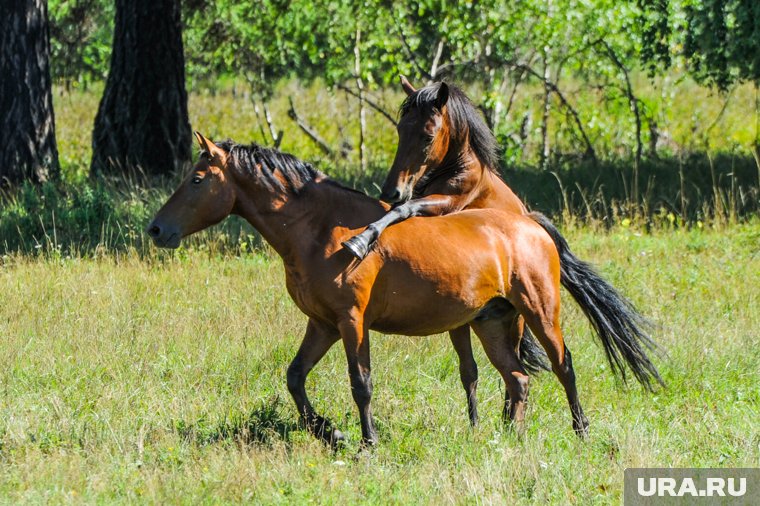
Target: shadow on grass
(110,214)
(697,186)
(263,425)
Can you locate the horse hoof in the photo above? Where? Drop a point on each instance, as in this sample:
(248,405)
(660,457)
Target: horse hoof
(581,429)
(337,439)
(356,247)
(366,451)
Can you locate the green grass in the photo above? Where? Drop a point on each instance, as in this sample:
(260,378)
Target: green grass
(690,119)
(134,375)
(160,378)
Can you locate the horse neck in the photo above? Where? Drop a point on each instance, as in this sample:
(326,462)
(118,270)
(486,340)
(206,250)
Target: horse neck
(475,184)
(483,186)
(297,226)
(459,166)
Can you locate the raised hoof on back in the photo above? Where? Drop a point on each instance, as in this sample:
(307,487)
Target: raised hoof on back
(357,246)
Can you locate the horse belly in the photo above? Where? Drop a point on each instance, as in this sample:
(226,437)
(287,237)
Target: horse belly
(419,303)
(423,320)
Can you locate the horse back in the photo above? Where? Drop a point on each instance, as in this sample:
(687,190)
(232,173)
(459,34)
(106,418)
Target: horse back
(437,273)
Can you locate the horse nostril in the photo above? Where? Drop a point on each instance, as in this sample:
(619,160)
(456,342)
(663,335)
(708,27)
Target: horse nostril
(154,231)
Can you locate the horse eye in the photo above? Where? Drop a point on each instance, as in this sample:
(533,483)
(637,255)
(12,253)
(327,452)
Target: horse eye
(197,180)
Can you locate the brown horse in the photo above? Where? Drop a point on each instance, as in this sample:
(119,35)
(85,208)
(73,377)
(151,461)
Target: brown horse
(425,276)
(446,161)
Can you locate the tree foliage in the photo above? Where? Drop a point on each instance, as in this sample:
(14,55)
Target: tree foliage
(722,42)
(495,48)
(717,39)
(81,32)
(271,39)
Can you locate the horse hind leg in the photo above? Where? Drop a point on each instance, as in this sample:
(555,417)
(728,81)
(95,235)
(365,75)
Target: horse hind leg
(580,422)
(468,369)
(500,339)
(544,322)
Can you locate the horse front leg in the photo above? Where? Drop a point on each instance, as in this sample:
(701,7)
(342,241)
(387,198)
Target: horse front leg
(356,342)
(318,339)
(361,244)
(468,369)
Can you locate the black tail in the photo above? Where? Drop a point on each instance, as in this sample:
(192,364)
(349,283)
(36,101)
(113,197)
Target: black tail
(622,330)
(532,355)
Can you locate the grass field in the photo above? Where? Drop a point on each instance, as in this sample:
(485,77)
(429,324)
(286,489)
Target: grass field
(160,378)
(141,376)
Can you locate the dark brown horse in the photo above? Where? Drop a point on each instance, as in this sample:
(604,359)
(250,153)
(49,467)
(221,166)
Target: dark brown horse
(425,276)
(446,161)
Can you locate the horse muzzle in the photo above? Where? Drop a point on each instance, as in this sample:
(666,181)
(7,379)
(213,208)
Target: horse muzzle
(163,236)
(396,195)
(390,196)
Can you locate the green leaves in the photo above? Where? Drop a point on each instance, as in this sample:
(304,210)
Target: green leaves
(579,59)
(81,33)
(717,39)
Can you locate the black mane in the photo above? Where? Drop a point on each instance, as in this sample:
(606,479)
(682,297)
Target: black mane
(465,121)
(247,159)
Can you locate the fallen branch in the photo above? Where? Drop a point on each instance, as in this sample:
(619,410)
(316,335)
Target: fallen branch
(369,102)
(309,130)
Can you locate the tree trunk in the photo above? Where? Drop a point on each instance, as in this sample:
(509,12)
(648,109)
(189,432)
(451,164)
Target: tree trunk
(29,150)
(142,119)
(545,150)
(362,110)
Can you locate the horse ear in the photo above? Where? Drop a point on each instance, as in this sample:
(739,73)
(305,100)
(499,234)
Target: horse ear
(406,85)
(202,141)
(442,97)
(209,146)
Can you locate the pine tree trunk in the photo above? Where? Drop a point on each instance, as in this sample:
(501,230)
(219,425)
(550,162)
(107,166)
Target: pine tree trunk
(142,120)
(29,151)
